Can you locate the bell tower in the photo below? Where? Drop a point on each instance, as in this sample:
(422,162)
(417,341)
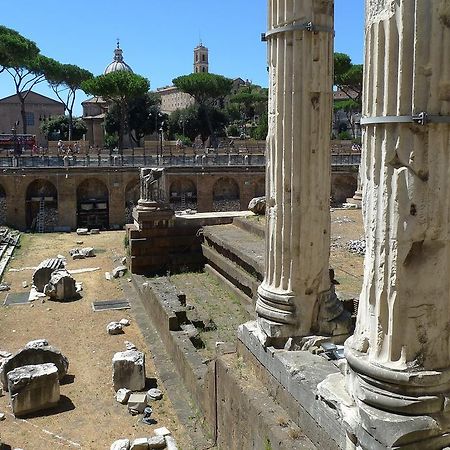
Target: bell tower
(201,64)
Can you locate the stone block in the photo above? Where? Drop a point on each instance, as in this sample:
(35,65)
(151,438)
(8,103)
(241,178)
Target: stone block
(154,394)
(43,273)
(119,271)
(171,444)
(82,231)
(137,402)
(129,370)
(61,286)
(114,328)
(156,442)
(139,444)
(33,388)
(33,356)
(121,444)
(163,431)
(37,343)
(123,395)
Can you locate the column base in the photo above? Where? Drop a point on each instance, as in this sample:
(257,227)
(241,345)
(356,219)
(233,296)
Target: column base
(372,428)
(399,391)
(277,320)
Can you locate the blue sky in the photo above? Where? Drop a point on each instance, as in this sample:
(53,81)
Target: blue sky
(158,36)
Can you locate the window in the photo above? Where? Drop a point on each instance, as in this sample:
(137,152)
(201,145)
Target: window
(203,58)
(29,119)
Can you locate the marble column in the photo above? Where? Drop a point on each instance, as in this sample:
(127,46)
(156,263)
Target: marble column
(295,297)
(399,355)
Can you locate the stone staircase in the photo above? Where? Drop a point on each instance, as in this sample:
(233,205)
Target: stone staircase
(235,254)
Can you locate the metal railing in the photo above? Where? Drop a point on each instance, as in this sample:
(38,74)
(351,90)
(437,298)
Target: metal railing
(340,161)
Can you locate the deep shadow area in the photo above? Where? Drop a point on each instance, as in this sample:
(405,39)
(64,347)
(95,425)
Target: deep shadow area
(64,405)
(68,379)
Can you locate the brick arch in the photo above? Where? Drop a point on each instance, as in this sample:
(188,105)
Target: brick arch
(260,187)
(41,205)
(226,195)
(132,194)
(183,194)
(92,204)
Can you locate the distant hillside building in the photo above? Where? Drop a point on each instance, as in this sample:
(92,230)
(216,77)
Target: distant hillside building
(38,107)
(171,97)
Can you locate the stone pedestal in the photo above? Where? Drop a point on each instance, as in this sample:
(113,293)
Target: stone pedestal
(399,355)
(129,370)
(33,388)
(297,282)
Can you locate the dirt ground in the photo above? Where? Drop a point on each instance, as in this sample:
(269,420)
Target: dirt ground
(88,416)
(346,225)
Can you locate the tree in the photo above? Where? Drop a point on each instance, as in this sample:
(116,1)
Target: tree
(58,128)
(197,119)
(65,80)
(208,90)
(119,88)
(21,58)
(348,77)
(144,117)
(15,49)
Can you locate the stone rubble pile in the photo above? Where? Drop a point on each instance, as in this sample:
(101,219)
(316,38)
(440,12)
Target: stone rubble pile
(129,383)
(51,219)
(226,205)
(162,438)
(81,253)
(119,271)
(357,246)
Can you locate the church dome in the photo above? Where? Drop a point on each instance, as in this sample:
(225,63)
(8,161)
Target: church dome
(118,62)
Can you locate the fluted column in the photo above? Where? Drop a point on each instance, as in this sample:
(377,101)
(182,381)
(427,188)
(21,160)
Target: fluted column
(399,355)
(300,60)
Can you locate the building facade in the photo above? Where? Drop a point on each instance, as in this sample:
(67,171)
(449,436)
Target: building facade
(38,108)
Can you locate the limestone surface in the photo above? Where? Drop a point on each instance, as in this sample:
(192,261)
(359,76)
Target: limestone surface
(33,356)
(129,370)
(139,444)
(61,286)
(43,273)
(137,402)
(258,205)
(114,328)
(120,444)
(33,388)
(122,395)
(156,442)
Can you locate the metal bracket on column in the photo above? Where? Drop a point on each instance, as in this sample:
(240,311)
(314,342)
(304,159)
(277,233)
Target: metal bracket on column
(421,119)
(308,26)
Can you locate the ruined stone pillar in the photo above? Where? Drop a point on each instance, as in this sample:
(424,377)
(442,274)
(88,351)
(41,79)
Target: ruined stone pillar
(296,292)
(399,356)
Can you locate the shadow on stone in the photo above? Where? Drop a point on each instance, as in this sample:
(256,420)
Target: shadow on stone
(64,405)
(75,298)
(150,383)
(68,379)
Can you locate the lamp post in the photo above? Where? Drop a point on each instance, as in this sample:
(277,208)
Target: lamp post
(161,131)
